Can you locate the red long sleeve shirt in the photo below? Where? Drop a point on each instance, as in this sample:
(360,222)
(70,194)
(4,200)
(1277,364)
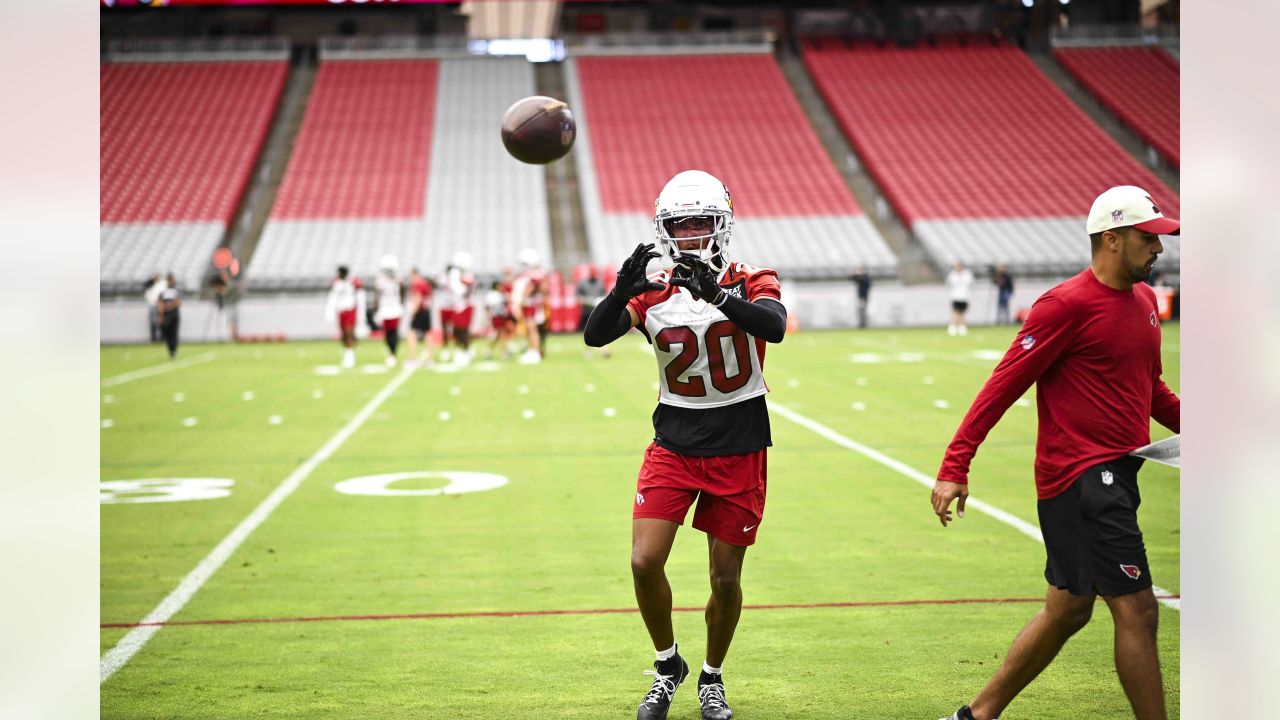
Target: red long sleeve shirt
(1095,354)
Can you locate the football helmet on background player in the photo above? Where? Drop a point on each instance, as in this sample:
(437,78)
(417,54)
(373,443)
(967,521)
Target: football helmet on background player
(694,193)
(461,260)
(529,259)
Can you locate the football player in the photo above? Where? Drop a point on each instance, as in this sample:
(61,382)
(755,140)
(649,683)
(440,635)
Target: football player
(390,297)
(529,304)
(346,304)
(420,319)
(708,320)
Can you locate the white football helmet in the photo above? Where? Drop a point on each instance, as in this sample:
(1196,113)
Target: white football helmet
(461,260)
(530,259)
(694,193)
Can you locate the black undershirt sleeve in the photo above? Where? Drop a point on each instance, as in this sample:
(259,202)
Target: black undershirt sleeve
(609,320)
(765,318)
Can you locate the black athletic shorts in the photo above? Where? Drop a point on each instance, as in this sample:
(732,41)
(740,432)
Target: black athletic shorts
(421,321)
(959,305)
(1091,534)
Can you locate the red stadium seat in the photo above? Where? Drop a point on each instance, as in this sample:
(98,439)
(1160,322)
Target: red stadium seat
(179,140)
(742,124)
(365,143)
(976,132)
(1139,85)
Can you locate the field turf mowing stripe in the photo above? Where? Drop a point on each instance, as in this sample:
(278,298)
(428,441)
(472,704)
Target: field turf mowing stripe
(1014,521)
(585,611)
(131,643)
(160,369)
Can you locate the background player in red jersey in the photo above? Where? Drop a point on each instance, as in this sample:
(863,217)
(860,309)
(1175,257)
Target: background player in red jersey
(419,319)
(1092,346)
(708,322)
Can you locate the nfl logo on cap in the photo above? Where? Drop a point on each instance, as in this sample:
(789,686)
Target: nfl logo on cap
(1129,205)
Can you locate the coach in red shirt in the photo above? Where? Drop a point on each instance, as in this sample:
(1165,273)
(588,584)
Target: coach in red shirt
(1092,346)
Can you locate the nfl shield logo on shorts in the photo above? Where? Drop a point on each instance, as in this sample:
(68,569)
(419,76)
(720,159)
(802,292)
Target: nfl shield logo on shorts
(639,499)
(1107,477)
(1132,571)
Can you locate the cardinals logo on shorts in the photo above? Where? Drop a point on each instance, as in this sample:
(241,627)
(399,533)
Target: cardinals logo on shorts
(1132,571)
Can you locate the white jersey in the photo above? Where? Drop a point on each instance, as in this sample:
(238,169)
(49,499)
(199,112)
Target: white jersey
(959,283)
(342,296)
(390,306)
(457,289)
(704,359)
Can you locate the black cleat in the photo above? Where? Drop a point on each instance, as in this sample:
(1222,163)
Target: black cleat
(668,675)
(711,697)
(963,713)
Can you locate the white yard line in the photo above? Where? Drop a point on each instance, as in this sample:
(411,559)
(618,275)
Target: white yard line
(131,643)
(1009,519)
(158,369)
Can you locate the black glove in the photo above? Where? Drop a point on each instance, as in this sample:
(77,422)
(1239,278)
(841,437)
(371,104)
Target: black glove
(696,276)
(632,278)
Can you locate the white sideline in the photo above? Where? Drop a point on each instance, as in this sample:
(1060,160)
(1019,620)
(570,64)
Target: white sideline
(132,642)
(157,369)
(1013,521)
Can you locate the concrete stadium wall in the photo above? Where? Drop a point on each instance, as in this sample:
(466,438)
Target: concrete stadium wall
(816,306)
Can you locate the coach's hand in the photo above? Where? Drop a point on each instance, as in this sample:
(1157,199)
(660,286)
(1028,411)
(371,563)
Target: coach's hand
(944,491)
(633,277)
(696,276)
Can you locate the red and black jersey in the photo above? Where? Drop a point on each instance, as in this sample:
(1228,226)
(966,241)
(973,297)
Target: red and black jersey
(421,288)
(1094,354)
(710,371)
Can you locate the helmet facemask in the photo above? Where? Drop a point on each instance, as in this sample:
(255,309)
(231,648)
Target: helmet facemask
(695,194)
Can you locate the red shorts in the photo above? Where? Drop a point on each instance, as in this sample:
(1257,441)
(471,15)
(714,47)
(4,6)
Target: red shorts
(390,324)
(462,318)
(499,322)
(730,491)
(529,311)
(446,317)
(347,319)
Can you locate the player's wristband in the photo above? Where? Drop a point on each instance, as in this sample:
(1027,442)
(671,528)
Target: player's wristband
(720,299)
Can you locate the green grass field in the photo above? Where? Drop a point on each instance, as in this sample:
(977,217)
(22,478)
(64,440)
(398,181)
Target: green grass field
(568,437)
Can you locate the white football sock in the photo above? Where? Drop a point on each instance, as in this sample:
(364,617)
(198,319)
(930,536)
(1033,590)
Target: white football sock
(667,654)
(710,670)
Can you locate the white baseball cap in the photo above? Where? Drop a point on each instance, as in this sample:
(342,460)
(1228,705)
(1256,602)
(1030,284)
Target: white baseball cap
(1126,205)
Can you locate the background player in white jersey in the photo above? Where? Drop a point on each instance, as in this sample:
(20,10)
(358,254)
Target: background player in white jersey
(708,321)
(346,305)
(497,305)
(459,283)
(390,309)
(529,304)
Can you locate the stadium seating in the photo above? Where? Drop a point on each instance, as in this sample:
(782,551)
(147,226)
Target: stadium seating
(1138,84)
(178,145)
(642,119)
(979,153)
(403,157)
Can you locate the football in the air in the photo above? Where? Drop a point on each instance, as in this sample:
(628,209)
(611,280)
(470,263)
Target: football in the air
(538,130)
